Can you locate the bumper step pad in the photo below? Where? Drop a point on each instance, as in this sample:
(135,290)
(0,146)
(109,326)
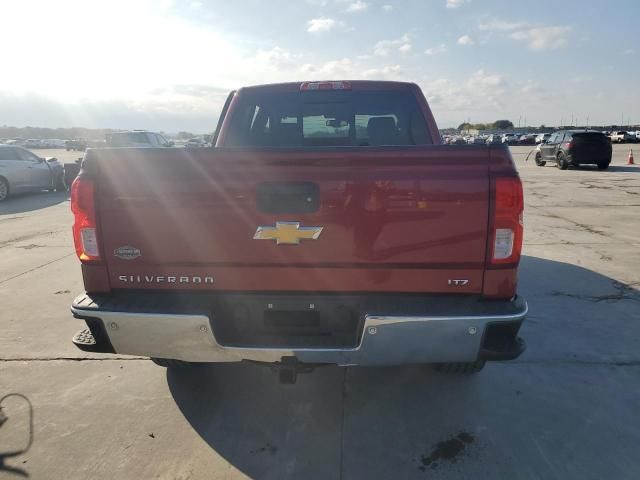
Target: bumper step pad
(94,338)
(85,341)
(84,338)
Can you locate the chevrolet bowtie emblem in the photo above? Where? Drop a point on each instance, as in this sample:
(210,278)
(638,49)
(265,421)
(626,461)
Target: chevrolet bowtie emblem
(287,233)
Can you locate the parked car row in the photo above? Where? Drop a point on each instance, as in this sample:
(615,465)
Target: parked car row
(616,136)
(125,138)
(79,144)
(497,139)
(144,138)
(34,142)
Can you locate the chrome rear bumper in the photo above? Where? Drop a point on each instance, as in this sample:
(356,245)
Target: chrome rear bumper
(384,340)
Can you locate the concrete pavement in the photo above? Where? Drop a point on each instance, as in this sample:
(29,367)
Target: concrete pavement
(566,409)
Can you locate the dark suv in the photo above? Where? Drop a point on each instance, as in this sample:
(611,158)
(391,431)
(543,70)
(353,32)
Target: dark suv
(575,147)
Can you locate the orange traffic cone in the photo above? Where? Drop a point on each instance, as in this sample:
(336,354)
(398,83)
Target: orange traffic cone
(630,160)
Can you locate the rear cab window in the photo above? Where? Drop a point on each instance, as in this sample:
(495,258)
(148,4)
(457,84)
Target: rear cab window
(326,118)
(126,138)
(8,153)
(589,137)
(26,155)
(137,137)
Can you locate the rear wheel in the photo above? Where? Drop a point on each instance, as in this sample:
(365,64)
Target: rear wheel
(461,367)
(4,189)
(603,165)
(539,161)
(60,185)
(562,161)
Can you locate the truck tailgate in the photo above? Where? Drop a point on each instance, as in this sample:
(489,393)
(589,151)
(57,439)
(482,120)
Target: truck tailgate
(409,219)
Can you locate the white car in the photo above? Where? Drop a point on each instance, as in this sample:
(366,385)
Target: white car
(541,137)
(476,141)
(620,136)
(509,138)
(197,143)
(23,171)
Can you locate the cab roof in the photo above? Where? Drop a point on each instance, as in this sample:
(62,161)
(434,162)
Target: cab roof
(353,85)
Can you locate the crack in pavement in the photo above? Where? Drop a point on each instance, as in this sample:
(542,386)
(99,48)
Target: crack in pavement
(614,363)
(12,218)
(582,226)
(36,268)
(589,185)
(6,243)
(624,292)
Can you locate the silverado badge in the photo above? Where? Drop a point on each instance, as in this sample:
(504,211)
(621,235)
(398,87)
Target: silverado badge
(287,233)
(127,252)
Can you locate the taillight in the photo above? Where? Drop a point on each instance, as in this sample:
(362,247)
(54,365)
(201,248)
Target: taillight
(507,228)
(85,235)
(568,145)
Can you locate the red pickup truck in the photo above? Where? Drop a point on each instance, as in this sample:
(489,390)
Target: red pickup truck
(328,225)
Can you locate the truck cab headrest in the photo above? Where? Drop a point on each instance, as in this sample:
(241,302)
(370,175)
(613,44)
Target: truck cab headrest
(382,131)
(288,134)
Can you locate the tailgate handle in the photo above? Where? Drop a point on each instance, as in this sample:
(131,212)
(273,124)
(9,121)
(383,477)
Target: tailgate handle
(288,197)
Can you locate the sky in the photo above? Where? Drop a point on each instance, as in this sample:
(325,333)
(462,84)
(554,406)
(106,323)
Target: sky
(169,64)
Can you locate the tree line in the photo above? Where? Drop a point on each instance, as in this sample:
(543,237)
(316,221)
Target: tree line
(59,133)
